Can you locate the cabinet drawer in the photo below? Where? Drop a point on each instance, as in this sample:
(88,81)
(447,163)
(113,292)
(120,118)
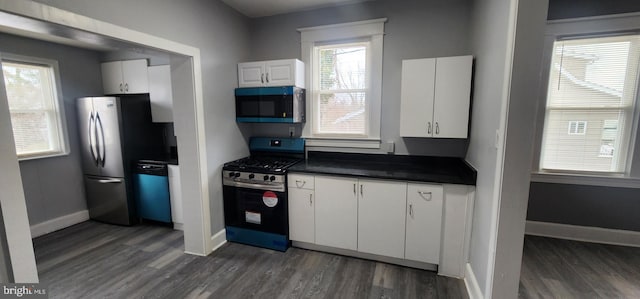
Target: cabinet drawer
(301,181)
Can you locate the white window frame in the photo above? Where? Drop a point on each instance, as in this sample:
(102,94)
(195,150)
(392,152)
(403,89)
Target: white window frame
(369,30)
(588,27)
(58,105)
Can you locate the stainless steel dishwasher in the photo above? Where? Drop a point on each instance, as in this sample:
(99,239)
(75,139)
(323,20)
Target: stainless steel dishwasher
(152,191)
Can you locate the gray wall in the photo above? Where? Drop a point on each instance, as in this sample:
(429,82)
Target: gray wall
(609,207)
(222,35)
(595,206)
(491,48)
(564,9)
(415,29)
(515,177)
(54,187)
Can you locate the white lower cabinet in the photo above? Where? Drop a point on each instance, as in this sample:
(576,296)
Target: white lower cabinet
(424,223)
(175,194)
(336,212)
(402,220)
(301,215)
(301,208)
(381,217)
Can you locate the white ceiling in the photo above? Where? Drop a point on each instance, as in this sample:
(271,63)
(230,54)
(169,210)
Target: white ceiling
(263,8)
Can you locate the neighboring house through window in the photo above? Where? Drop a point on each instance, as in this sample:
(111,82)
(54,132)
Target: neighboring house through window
(37,115)
(344,75)
(591,95)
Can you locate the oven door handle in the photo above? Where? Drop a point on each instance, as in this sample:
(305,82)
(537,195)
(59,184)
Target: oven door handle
(278,188)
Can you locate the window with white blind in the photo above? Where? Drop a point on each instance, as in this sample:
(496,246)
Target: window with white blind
(342,89)
(590,104)
(344,84)
(37,117)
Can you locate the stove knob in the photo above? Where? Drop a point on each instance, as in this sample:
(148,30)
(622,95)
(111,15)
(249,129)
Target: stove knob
(251,176)
(231,174)
(266,178)
(237,174)
(272,178)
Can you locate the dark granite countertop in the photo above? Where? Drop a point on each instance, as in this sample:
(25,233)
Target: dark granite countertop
(446,170)
(164,159)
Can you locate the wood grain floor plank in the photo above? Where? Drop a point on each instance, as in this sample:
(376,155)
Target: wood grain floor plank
(96,260)
(554,268)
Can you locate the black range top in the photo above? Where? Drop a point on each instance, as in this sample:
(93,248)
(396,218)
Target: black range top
(262,164)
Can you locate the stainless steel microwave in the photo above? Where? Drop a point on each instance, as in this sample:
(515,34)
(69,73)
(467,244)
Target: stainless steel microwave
(270,104)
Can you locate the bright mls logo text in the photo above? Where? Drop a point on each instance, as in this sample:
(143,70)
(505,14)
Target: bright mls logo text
(21,290)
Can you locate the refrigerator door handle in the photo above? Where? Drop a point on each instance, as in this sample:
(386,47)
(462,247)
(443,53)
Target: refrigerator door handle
(92,137)
(110,181)
(102,149)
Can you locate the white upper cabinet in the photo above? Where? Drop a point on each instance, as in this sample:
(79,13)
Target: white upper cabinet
(424,222)
(435,97)
(416,116)
(112,77)
(381,217)
(251,74)
(285,72)
(125,77)
(161,93)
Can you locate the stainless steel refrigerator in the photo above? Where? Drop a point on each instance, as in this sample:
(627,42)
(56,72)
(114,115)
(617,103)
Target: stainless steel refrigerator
(115,132)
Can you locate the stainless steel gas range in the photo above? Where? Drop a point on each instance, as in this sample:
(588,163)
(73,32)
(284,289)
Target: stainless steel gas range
(255,192)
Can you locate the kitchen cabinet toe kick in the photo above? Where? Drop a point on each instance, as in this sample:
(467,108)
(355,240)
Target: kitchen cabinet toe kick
(367,256)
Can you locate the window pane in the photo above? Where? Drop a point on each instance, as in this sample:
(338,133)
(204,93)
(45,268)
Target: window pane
(594,73)
(591,93)
(589,145)
(342,113)
(32,104)
(28,86)
(31,131)
(343,67)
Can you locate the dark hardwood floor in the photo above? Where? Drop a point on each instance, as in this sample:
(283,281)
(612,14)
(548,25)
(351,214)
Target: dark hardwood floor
(555,268)
(94,260)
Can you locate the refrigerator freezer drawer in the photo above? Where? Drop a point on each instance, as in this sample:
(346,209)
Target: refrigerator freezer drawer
(107,200)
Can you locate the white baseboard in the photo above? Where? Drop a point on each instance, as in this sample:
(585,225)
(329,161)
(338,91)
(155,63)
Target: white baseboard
(219,239)
(470,281)
(59,223)
(583,233)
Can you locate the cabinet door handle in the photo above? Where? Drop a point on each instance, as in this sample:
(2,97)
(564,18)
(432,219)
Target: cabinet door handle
(267,77)
(424,195)
(310,199)
(300,185)
(262,78)
(429,128)
(354,189)
(361,194)
(121,87)
(126,87)
(411,210)
(437,129)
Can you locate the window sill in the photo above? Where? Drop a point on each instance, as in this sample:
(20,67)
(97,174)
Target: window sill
(42,156)
(589,180)
(371,143)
